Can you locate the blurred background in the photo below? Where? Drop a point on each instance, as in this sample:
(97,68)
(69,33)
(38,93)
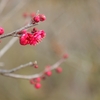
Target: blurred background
(72,26)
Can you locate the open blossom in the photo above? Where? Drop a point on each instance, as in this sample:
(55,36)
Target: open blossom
(32,39)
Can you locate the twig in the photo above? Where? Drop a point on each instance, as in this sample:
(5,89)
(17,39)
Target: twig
(7,46)
(17,68)
(28,77)
(14,32)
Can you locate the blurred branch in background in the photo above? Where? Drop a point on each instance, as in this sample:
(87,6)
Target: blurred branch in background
(20,5)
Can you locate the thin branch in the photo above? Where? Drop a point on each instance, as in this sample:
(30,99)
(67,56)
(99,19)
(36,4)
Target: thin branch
(28,77)
(18,68)
(7,46)
(16,31)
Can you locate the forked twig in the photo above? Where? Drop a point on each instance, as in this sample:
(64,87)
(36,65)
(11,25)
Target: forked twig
(9,73)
